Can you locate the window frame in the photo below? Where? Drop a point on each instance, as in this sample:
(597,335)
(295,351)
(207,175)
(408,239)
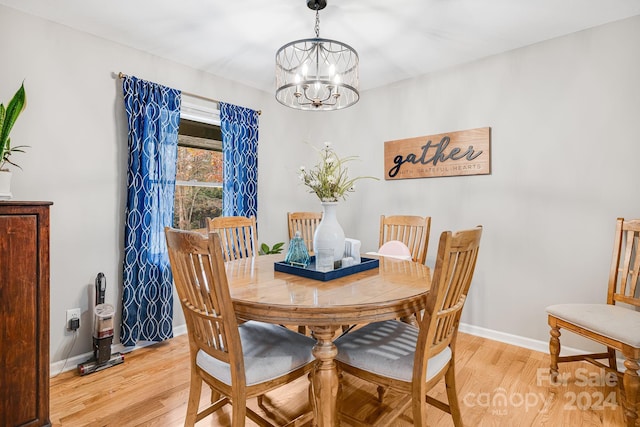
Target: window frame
(202,114)
(206,114)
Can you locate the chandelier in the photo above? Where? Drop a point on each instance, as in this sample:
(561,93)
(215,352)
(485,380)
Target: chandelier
(317,74)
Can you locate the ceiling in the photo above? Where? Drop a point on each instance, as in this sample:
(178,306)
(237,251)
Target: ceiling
(396,40)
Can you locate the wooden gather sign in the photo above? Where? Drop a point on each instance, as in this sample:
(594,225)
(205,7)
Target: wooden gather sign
(465,152)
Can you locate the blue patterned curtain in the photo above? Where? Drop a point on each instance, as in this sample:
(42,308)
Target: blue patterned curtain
(153,114)
(239,127)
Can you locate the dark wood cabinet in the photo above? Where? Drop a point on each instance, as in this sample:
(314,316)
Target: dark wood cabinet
(24,314)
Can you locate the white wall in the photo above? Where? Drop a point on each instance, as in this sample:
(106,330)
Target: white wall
(76,128)
(564,118)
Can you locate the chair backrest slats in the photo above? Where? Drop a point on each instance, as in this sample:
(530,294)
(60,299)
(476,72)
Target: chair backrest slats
(453,273)
(238,235)
(411,230)
(201,283)
(306,223)
(625,264)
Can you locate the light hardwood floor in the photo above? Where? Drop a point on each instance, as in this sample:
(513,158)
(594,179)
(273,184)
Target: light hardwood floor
(498,385)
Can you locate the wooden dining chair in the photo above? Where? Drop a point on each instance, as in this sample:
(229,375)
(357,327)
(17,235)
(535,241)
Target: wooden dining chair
(410,359)
(411,230)
(615,326)
(237,362)
(238,235)
(306,223)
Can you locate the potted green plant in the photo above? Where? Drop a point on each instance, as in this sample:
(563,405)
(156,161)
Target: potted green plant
(266,250)
(8,117)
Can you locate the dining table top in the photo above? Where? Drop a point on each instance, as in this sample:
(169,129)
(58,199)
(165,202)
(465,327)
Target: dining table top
(396,288)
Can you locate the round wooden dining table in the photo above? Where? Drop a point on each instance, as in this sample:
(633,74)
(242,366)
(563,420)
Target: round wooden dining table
(396,288)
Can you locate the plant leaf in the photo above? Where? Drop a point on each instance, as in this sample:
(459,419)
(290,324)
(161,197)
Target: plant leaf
(15,107)
(7,119)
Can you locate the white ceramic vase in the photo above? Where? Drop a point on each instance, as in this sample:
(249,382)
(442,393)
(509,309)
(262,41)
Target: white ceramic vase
(5,185)
(329,233)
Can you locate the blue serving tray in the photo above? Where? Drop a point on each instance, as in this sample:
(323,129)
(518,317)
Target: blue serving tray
(311,272)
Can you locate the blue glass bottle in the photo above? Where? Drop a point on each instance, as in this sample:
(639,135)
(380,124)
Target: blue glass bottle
(297,253)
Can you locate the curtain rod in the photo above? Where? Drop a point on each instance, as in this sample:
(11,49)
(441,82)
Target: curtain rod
(122,75)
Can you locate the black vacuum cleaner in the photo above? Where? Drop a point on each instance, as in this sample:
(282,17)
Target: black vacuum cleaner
(102,334)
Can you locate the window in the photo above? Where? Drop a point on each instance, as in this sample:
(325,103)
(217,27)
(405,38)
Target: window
(198,194)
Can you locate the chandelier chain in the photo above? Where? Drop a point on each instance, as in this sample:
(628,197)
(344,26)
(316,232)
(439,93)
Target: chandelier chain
(317,28)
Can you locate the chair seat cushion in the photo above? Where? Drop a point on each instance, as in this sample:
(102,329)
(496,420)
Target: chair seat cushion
(388,349)
(618,323)
(270,351)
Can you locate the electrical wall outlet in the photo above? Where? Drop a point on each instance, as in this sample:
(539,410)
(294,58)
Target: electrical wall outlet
(73,313)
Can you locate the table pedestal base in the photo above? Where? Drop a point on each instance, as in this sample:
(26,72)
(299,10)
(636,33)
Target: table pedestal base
(325,381)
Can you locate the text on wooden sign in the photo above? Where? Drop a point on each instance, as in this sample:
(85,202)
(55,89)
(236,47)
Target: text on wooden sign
(464,152)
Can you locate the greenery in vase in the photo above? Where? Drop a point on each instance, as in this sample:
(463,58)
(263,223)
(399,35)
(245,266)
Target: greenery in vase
(329,179)
(8,117)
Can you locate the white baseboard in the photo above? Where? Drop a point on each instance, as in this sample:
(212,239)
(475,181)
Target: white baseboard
(528,343)
(72,363)
(531,344)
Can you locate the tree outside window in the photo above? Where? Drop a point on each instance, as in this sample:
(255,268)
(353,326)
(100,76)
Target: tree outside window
(198,194)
